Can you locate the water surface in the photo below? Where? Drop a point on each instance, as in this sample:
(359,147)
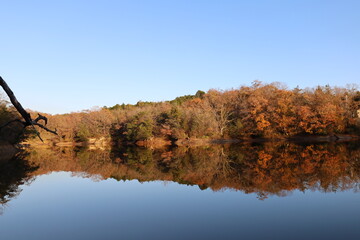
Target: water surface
(247,191)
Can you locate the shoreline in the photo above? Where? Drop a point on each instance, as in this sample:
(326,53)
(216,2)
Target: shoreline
(160,143)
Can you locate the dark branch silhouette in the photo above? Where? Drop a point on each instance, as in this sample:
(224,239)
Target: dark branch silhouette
(25,115)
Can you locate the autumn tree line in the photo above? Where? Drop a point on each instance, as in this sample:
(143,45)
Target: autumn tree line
(256,111)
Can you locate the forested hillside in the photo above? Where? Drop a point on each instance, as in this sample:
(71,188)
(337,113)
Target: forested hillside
(9,131)
(256,111)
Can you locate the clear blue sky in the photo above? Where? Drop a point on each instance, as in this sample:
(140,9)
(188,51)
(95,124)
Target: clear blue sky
(63,56)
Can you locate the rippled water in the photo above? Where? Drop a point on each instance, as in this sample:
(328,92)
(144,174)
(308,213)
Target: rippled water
(247,191)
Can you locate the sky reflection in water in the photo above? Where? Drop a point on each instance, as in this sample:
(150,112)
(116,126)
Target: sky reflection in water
(63,206)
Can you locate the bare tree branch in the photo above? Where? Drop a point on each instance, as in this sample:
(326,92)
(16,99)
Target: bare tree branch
(45,128)
(15,102)
(26,116)
(41,117)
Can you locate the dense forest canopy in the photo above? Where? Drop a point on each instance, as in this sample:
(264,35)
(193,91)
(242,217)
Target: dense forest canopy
(256,111)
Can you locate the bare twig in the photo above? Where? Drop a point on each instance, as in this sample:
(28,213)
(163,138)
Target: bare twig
(41,117)
(45,128)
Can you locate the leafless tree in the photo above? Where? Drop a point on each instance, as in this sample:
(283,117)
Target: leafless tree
(27,120)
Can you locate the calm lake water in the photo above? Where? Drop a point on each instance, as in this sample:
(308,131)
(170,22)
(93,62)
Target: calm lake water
(244,191)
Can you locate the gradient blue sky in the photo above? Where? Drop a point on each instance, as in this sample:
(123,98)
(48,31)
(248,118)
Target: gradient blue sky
(63,56)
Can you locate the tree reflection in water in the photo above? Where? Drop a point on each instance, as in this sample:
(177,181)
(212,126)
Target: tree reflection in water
(13,173)
(265,169)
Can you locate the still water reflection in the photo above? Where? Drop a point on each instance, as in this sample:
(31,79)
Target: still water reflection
(249,191)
